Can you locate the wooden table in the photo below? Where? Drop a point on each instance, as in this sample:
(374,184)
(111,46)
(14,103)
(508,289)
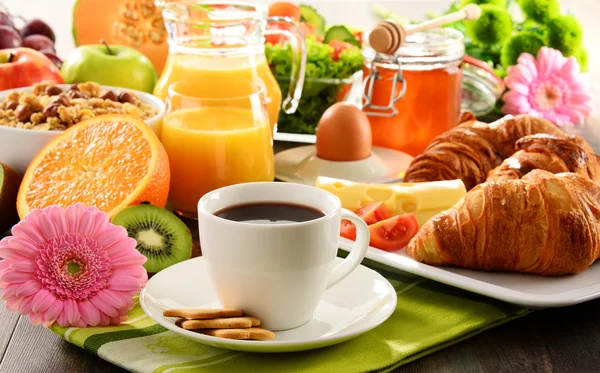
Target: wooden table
(564,340)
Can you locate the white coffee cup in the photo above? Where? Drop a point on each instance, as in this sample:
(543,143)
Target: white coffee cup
(276,272)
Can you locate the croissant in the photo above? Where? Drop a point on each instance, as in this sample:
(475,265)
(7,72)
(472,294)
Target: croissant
(472,149)
(544,223)
(550,153)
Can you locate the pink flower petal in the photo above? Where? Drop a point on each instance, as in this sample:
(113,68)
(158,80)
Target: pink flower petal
(105,308)
(42,301)
(114,299)
(35,318)
(549,62)
(510,109)
(14,276)
(13,304)
(100,223)
(128,259)
(89,313)
(62,320)
(29,230)
(24,247)
(25,306)
(73,215)
(10,291)
(138,272)
(123,245)
(52,313)
(516,76)
(104,320)
(114,235)
(80,324)
(115,320)
(28,288)
(71,311)
(86,225)
(124,283)
(48,324)
(23,266)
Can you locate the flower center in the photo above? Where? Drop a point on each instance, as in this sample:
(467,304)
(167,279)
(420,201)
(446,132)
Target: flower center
(73,266)
(548,95)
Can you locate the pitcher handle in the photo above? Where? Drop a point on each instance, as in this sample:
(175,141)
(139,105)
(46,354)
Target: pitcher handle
(298,45)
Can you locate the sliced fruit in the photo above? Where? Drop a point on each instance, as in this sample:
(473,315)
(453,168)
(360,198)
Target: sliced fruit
(348,230)
(109,161)
(9,187)
(285,9)
(374,212)
(311,16)
(340,33)
(134,23)
(161,236)
(394,233)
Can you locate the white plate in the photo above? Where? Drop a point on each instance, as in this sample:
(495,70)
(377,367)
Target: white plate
(301,165)
(527,290)
(359,303)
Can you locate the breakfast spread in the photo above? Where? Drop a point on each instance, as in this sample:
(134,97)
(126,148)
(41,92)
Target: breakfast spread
(222,323)
(48,107)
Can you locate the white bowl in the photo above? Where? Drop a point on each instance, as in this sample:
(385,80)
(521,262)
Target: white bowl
(19,146)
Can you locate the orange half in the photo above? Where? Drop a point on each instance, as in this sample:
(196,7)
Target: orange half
(109,161)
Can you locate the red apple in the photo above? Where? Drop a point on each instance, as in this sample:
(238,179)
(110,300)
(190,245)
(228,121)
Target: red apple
(23,67)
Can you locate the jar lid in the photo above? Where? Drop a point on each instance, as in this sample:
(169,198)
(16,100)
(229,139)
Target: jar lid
(481,87)
(432,47)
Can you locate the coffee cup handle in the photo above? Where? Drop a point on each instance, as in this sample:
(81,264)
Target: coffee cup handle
(357,253)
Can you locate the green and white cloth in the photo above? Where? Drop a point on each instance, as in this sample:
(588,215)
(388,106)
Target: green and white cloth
(429,316)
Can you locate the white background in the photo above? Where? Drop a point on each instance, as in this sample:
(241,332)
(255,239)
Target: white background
(356,13)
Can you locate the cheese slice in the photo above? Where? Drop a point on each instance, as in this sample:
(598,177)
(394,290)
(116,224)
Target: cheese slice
(424,200)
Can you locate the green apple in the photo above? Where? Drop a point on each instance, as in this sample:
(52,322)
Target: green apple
(113,65)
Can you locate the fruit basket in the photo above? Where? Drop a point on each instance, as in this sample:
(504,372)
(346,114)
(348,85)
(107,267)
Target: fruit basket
(318,95)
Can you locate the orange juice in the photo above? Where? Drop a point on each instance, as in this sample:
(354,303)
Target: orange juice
(211,147)
(209,71)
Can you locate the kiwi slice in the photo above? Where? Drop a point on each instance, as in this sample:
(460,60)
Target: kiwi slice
(161,236)
(10,180)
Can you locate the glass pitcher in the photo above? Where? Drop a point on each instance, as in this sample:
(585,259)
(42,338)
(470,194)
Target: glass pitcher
(213,40)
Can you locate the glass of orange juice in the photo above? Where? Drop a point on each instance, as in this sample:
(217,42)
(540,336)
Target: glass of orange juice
(215,139)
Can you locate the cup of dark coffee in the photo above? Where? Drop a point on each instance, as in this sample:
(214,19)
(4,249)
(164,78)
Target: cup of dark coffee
(271,248)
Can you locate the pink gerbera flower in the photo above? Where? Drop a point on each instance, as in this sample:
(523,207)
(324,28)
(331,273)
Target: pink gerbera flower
(549,86)
(70,266)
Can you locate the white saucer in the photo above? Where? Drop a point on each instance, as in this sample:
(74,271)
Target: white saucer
(301,165)
(354,306)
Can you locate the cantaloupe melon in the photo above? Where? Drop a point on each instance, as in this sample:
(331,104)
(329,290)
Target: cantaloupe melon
(134,23)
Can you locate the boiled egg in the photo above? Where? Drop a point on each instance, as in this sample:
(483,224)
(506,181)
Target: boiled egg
(344,134)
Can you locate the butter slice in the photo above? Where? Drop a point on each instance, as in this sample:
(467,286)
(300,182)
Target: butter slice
(424,200)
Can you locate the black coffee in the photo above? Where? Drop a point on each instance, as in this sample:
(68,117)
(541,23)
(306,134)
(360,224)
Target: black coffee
(269,213)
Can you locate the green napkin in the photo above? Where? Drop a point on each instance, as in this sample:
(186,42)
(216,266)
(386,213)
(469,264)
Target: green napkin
(429,316)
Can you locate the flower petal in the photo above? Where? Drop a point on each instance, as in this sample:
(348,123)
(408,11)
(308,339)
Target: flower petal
(73,215)
(30,287)
(35,318)
(25,306)
(25,247)
(13,304)
(10,291)
(103,307)
(124,283)
(71,311)
(115,320)
(104,320)
(100,221)
(62,320)
(114,235)
(86,224)
(42,301)
(89,313)
(549,62)
(128,259)
(52,313)
(24,265)
(59,218)
(11,253)
(27,229)
(14,276)
(115,299)
(138,272)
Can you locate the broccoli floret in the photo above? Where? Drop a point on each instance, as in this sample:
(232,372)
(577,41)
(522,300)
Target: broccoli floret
(565,34)
(493,27)
(582,57)
(500,3)
(523,42)
(540,11)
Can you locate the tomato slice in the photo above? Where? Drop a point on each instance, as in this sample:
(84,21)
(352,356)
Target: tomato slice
(394,233)
(338,47)
(285,9)
(348,230)
(374,212)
